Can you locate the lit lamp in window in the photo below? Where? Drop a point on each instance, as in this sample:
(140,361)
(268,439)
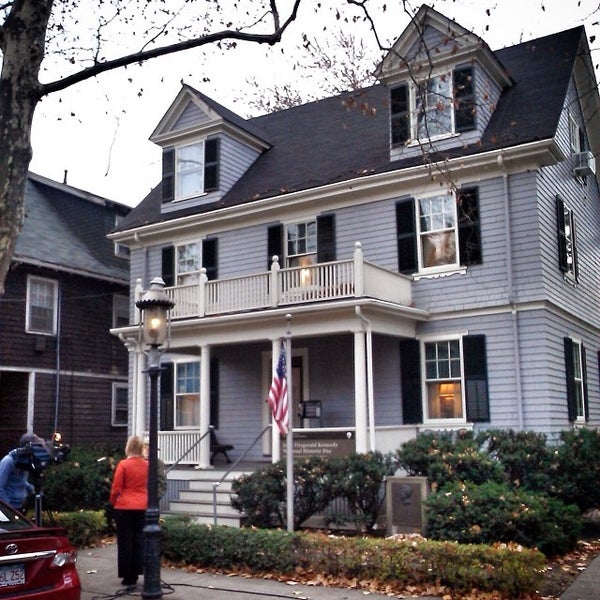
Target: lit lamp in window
(446,395)
(305,263)
(155,307)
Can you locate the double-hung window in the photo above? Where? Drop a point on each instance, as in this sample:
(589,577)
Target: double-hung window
(120,405)
(42,305)
(188,263)
(190,170)
(120,310)
(437,231)
(441,105)
(187,394)
(302,244)
(443,380)
(576,377)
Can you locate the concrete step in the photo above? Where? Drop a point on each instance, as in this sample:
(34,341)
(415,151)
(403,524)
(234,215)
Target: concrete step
(207,486)
(205,497)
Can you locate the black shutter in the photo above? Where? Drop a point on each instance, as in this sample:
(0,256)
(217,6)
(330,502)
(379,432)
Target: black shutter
(407,236)
(168,175)
(464,99)
(586,408)
(469,233)
(574,249)
(326,238)
(563,262)
(570,377)
(211,165)
(166,397)
(168,265)
(209,258)
(214,393)
(399,114)
(410,372)
(274,245)
(476,379)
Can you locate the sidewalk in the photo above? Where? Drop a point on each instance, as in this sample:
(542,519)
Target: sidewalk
(97,568)
(587,585)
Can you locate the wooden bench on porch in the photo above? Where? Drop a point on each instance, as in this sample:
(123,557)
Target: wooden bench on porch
(217,448)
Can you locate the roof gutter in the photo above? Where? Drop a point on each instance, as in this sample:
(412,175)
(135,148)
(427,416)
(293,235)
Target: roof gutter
(389,184)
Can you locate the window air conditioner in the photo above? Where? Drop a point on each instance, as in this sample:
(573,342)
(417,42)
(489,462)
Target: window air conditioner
(583,164)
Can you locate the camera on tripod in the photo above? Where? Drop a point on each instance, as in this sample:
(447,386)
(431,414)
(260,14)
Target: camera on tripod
(37,455)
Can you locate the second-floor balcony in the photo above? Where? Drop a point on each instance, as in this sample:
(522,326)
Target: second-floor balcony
(352,278)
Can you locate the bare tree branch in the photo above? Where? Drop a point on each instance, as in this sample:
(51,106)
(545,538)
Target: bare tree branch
(139,57)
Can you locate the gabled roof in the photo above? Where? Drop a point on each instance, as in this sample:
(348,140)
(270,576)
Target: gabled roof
(432,38)
(347,136)
(65,229)
(216,114)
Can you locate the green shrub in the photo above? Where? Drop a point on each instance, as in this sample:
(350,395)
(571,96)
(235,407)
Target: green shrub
(576,479)
(359,479)
(525,457)
(447,457)
(262,495)
(393,564)
(259,496)
(226,548)
(492,512)
(85,527)
(82,482)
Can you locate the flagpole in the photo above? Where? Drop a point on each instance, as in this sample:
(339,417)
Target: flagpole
(289,436)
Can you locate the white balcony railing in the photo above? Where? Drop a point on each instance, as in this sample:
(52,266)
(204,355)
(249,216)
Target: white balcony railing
(296,285)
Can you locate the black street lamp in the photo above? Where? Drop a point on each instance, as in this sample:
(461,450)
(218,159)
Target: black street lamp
(155,307)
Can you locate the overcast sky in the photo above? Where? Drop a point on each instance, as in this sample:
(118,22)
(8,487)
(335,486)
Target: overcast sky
(98,131)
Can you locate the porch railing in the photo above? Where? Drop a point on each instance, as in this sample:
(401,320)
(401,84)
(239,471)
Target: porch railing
(179,447)
(295,285)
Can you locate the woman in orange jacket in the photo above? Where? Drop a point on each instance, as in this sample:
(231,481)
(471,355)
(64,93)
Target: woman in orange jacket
(129,498)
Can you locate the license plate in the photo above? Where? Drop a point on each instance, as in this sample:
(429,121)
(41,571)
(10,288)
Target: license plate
(12,575)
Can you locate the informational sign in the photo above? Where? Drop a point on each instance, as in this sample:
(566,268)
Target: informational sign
(328,444)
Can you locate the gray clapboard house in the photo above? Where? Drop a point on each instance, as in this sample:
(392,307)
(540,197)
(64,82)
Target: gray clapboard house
(435,239)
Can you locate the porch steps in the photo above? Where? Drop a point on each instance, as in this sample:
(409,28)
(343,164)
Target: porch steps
(195,496)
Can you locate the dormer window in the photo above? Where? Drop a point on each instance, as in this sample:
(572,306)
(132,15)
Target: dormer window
(433,108)
(191,170)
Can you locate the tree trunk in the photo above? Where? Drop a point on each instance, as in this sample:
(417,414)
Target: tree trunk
(22,41)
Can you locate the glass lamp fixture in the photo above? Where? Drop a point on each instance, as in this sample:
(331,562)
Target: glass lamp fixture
(155,307)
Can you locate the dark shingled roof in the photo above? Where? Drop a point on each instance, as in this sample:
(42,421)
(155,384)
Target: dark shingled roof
(347,136)
(65,228)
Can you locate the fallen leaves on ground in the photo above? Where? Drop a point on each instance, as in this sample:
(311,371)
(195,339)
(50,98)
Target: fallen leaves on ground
(558,575)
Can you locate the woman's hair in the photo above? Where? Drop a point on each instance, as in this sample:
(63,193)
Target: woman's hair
(134,446)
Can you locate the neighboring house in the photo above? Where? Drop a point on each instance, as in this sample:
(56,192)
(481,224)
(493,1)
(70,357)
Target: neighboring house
(437,248)
(68,285)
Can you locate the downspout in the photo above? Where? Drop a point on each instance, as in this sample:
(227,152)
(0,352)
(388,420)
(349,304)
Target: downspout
(510,294)
(370,396)
(58,350)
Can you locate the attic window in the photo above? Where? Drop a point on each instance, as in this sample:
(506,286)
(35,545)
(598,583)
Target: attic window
(432,108)
(190,171)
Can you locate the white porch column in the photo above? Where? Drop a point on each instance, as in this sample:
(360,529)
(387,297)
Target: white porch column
(204,406)
(360,391)
(275,435)
(139,391)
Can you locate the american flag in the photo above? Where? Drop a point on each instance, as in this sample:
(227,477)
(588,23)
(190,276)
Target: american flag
(278,394)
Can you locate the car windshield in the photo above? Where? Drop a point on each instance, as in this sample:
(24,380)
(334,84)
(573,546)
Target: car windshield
(11,521)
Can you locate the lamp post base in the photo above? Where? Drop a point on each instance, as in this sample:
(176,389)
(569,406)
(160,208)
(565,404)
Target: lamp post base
(152,584)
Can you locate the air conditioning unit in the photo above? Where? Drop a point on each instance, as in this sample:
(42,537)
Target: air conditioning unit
(584,164)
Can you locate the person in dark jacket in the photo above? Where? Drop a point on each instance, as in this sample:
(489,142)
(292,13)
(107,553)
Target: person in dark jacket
(129,497)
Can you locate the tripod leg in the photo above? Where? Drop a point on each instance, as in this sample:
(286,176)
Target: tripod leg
(38,509)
